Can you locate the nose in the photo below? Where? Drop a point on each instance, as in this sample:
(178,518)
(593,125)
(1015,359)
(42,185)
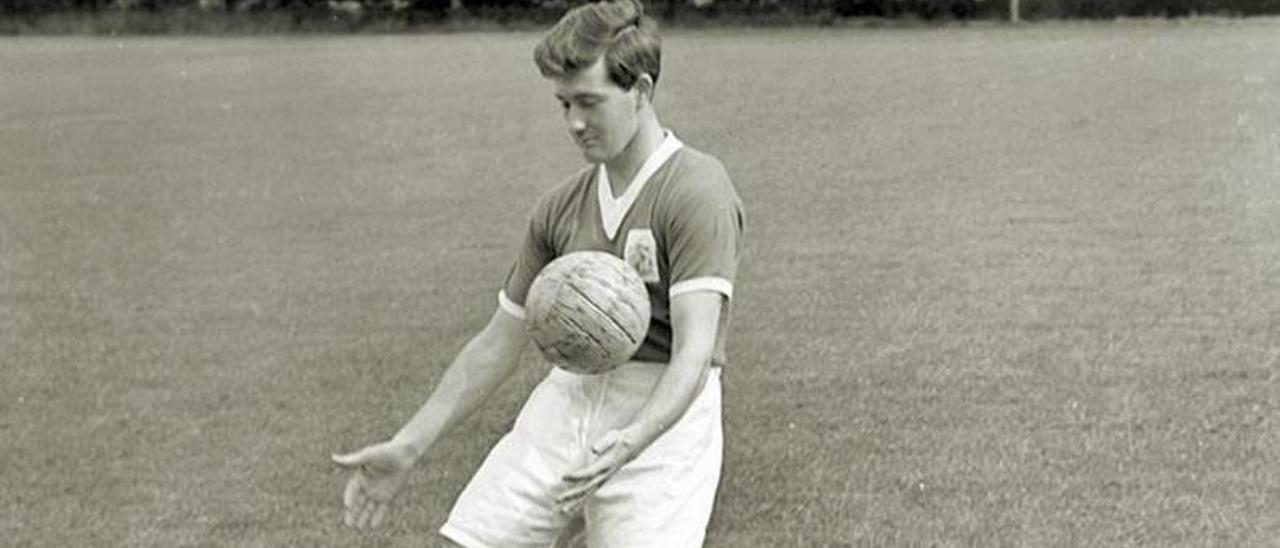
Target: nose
(576,121)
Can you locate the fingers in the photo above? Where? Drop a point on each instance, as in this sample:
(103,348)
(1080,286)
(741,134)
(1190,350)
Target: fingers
(584,481)
(584,474)
(353,495)
(369,515)
(570,502)
(362,512)
(365,506)
(611,452)
(349,517)
(376,477)
(353,499)
(570,507)
(576,493)
(605,443)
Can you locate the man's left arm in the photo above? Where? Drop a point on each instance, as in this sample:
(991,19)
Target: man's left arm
(695,317)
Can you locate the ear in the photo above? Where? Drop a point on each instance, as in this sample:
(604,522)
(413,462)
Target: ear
(644,87)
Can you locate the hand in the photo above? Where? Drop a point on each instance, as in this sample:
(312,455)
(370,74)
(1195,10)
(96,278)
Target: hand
(611,452)
(381,471)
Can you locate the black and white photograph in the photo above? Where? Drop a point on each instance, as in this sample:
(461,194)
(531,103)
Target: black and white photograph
(640,273)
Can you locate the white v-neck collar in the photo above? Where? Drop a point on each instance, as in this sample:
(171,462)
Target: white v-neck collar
(612,210)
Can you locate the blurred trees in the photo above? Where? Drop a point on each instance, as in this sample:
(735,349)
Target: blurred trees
(415,11)
(1106,9)
(928,9)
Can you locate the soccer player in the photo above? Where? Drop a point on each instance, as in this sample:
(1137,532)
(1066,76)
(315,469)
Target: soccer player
(634,454)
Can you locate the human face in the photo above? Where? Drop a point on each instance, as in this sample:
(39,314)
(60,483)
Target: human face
(602,118)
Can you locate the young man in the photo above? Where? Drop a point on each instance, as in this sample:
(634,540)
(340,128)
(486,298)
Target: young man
(635,452)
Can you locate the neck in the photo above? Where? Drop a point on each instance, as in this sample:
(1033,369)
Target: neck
(624,166)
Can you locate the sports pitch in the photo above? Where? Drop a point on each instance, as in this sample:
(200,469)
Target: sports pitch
(1004,286)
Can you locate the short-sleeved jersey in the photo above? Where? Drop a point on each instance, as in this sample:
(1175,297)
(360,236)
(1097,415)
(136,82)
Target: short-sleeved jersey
(679,224)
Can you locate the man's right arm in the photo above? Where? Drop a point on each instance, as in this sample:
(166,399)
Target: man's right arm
(480,367)
(381,470)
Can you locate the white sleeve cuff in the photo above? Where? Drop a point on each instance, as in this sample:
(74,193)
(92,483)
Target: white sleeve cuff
(510,306)
(710,283)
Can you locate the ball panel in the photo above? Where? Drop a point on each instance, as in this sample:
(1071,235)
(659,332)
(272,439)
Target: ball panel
(546,287)
(611,304)
(581,348)
(618,289)
(596,323)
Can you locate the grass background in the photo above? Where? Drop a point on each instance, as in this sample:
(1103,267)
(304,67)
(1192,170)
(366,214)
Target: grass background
(1004,286)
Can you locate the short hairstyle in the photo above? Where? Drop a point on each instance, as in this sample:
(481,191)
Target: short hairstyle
(616,30)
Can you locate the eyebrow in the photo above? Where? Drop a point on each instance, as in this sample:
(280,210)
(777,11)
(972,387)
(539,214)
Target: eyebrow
(580,95)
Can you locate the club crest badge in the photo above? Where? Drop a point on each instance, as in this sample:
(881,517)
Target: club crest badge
(641,252)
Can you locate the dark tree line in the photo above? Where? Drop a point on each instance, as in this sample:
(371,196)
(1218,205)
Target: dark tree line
(670,9)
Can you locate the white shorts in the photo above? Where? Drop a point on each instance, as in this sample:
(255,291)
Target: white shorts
(661,498)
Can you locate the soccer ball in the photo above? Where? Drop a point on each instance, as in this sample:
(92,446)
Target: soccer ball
(588,312)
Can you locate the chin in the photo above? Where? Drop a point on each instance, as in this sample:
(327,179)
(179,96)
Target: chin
(594,156)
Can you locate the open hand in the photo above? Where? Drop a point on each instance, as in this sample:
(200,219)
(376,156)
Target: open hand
(380,472)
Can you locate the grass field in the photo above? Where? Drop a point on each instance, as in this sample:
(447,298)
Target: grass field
(1004,286)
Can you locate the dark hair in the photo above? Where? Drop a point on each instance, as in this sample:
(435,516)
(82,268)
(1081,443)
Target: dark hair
(616,30)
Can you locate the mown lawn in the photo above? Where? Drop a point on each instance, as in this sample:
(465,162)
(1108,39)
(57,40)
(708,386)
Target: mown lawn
(1005,286)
